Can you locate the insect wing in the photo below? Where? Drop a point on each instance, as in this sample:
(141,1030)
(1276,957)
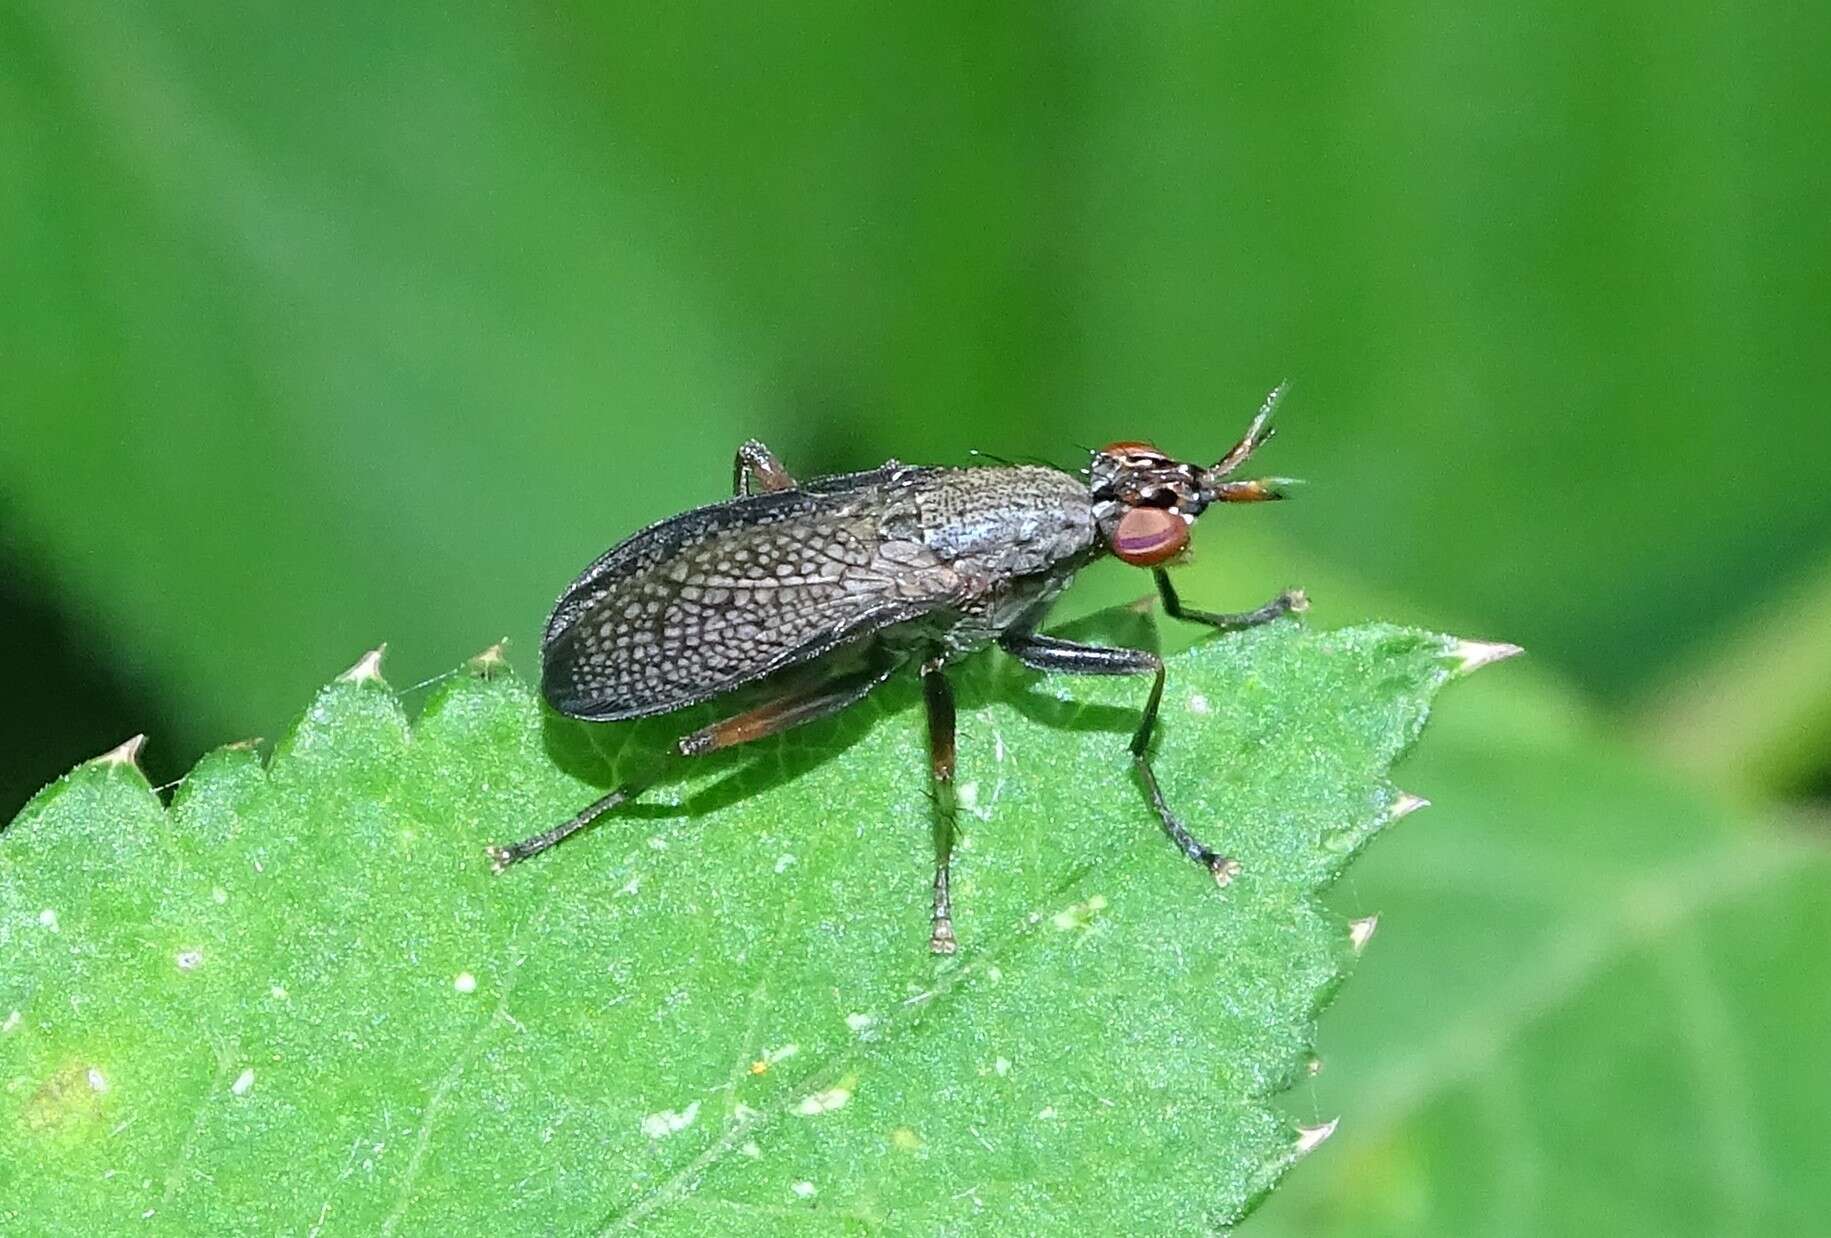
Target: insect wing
(707,601)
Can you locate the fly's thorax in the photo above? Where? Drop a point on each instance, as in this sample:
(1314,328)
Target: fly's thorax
(995,523)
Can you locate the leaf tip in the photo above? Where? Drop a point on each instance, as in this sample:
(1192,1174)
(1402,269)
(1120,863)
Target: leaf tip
(1361,931)
(1472,655)
(1310,1138)
(127,753)
(367,668)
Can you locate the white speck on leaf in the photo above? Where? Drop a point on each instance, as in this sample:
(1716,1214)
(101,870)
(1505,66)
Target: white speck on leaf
(219,896)
(804,1189)
(657,842)
(967,795)
(1198,704)
(750,1149)
(1002,1067)
(1079,915)
(824,1102)
(243,1082)
(12,1021)
(1047,1112)
(97,1080)
(859,1022)
(190,960)
(783,861)
(670,1121)
(48,918)
(464,982)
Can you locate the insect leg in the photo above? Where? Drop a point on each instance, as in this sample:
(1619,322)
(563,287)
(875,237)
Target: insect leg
(1050,653)
(1291,601)
(757,464)
(938,694)
(503,856)
(819,700)
(822,699)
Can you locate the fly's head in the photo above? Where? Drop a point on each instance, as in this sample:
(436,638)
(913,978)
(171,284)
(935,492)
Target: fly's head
(1145,501)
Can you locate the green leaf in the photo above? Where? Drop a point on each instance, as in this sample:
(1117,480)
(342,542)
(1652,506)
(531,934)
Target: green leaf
(299,997)
(1597,1004)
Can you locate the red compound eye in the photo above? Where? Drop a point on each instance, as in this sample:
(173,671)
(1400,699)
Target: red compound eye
(1147,536)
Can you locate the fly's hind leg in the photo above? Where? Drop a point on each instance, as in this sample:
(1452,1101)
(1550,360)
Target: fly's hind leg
(821,699)
(1050,653)
(802,704)
(938,695)
(501,856)
(756,465)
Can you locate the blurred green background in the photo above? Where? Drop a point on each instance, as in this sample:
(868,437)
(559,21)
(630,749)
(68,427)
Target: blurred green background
(330,326)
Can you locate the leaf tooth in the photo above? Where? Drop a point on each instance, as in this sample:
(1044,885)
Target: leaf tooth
(1472,655)
(491,661)
(367,668)
(1404,806)
(1360,931)
(1310,1138)
(127,753)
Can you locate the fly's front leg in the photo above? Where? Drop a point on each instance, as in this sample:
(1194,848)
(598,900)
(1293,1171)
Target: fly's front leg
(938,695)
(756,465)
(1291,601)
(791,709)
(1049,653)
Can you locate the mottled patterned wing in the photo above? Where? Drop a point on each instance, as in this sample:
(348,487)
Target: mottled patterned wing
(698,605)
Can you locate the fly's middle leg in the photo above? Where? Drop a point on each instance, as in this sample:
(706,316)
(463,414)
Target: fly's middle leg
(756,465)
(938,695)
(1289,602)
(1050,653)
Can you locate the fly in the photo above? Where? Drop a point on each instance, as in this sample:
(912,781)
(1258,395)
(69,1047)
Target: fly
(811,595)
